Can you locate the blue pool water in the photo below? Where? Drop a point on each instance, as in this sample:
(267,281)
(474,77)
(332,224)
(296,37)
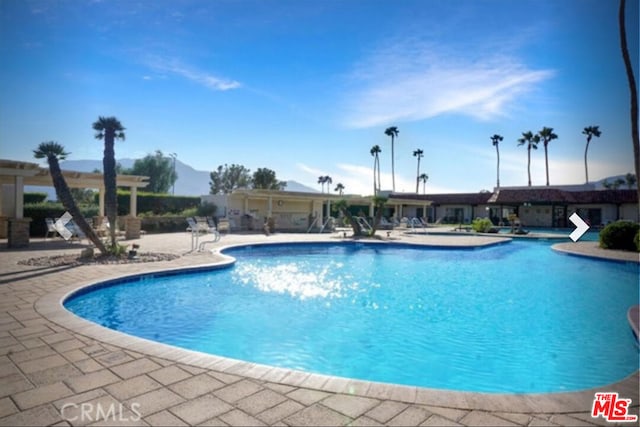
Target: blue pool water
(515,317)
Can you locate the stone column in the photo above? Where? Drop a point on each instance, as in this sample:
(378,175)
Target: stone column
(18,232)
(132,227)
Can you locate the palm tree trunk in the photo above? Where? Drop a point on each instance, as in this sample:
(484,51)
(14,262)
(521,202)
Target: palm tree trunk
(546,163)
(498,168)
(110,188)
(635,137)
(586,169)
(64,194)
(378,162)
(418,177)
(393,166)
(375,186)
(529,164)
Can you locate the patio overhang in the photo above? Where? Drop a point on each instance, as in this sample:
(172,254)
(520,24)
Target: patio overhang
(18,174)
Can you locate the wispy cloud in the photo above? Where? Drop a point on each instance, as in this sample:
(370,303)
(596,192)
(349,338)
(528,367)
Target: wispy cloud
(412,81)
(176,67)
(358,179)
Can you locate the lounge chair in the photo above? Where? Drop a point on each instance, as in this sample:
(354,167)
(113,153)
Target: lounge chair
(51,228)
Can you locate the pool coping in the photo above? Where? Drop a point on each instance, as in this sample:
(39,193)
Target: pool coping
(51,307)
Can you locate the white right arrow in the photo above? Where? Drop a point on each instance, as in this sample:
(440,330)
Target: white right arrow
(581,227)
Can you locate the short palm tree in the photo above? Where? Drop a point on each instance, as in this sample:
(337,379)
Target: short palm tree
(590,131)
(424,178)
(393,133)
(546,135)
(495,140)
(54,152)
(531,141)
(339,188)
(375,152)
(419,154)
(110,129)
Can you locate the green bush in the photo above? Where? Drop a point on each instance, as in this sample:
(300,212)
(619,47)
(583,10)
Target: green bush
(158,204)
(482,225)
(637,241)
(620,235)
(30,198)
(207,209)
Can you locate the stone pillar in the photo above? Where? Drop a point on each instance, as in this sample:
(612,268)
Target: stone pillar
(19,198)
(101,201)
(133,202)
(132,227)
(18,232)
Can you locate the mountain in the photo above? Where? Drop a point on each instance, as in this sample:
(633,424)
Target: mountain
(190,182)
(611,179)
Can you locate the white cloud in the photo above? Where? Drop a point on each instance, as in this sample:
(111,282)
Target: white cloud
(358,179)
(174,66)
(412,81)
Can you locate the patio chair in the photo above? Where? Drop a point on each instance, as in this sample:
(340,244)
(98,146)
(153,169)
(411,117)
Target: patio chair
(51,228)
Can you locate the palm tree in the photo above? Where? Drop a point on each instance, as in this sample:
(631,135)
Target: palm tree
(339,188)
(329,181)
(109,128)
(54,152)
(531,141)
(590,131)
(322,181)
(630,179)
(393,133)
(546,135)
(375,152)
(633,91)
(419,154)
(424,178)
(495,140)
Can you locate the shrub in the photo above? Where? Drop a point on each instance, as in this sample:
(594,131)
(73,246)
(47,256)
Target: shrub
(620,235)
(30,198)
(207,209)
(482,225)
(158,204)
(637,241)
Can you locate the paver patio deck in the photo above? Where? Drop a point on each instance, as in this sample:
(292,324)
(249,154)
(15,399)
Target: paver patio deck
(51,362)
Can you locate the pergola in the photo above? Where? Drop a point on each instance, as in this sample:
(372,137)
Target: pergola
(14,175)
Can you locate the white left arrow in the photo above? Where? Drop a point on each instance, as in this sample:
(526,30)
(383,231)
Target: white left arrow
(581,227)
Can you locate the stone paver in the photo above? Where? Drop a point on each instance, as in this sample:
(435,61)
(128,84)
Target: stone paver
(47,362)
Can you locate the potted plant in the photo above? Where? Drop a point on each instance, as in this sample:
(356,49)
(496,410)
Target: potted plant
(133,252)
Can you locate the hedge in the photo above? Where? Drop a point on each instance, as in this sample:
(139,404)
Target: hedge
(619,235)
(30,198)
(155,203)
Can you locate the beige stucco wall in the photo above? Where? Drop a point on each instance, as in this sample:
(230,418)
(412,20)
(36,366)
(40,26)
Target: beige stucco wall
(536,216)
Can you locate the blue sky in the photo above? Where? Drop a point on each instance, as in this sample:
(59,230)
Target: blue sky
(306,88)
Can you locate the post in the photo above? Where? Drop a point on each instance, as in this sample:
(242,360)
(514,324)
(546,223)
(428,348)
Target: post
(173,156)
(19,196)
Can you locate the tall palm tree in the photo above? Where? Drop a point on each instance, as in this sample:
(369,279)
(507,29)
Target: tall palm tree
(531,141)
(328,181)
(375,152)
(54,152)
(424,178)
(419,154)
(322,181)
(633,91)
(590,131)
(495,140)
(393,133)
(339,188)
(110,129)
(546,135)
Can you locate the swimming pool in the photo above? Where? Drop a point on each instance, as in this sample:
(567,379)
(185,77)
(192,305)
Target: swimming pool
(515,317)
